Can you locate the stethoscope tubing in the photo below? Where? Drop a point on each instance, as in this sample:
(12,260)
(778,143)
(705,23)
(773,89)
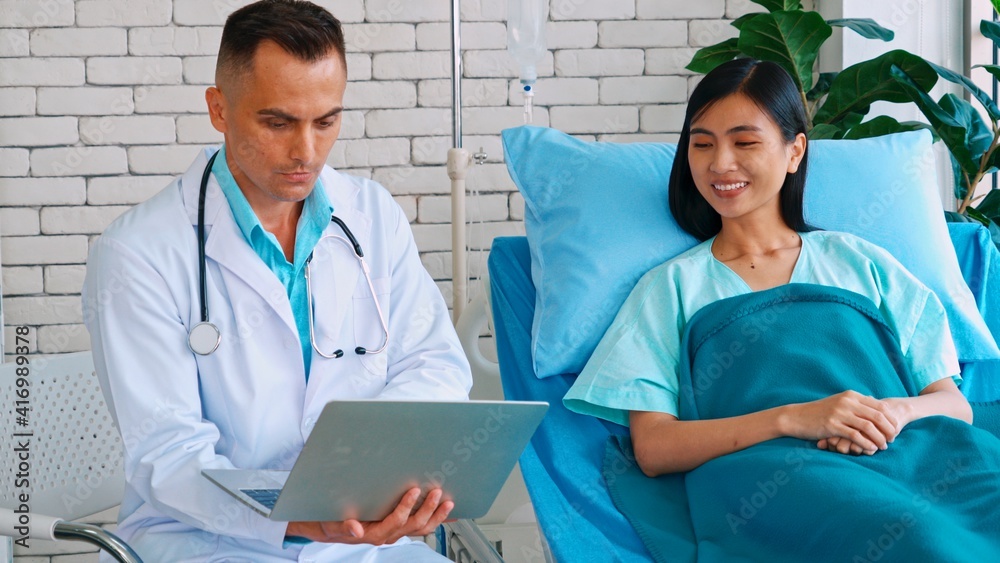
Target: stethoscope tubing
(202,266)
(204,337)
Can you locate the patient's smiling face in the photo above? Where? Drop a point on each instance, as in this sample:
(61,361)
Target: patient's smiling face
(739,159)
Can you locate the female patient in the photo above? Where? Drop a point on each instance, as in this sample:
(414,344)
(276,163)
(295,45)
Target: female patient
(737,184)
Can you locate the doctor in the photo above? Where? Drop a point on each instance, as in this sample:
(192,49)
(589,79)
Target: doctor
(246,387)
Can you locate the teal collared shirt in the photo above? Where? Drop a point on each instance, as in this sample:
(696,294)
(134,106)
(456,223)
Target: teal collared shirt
(316,213)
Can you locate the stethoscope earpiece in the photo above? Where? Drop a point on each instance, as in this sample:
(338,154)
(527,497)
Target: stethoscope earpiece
(360,350)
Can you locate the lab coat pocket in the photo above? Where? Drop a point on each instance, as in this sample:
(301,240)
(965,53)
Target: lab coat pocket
(368,330)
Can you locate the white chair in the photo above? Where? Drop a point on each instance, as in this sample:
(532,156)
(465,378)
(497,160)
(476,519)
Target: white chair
(62,456)
(74,460)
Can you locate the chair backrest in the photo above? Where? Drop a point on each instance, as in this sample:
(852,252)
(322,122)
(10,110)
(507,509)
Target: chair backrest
(73,447)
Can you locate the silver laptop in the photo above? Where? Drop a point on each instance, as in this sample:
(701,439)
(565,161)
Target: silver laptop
(362,456)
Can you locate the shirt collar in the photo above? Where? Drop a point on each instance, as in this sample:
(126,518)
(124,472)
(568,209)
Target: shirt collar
(316,210)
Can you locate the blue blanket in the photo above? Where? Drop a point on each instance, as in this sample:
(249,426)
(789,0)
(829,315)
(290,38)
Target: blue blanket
(933,495)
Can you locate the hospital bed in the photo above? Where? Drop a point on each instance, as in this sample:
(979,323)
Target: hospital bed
(563,463)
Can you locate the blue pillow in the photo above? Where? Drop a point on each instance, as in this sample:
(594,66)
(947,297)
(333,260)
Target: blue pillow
(597,218)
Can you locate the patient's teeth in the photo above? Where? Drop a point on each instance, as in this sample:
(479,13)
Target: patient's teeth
(729,187)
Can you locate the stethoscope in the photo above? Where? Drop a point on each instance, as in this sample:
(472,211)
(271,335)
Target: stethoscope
(204,337)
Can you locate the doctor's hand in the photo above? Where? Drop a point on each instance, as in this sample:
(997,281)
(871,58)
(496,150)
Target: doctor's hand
(860,424)
(402,521)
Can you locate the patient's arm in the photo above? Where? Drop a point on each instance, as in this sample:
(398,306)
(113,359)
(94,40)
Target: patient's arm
(664,444)
(939,398)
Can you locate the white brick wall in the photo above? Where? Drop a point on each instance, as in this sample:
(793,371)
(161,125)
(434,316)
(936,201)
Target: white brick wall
(102,101)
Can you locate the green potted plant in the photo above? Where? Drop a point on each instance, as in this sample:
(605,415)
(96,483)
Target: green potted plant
(971,140)
(837,103)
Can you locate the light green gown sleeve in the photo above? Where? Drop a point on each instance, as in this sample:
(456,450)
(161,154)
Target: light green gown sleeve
(635,365)
(919,319)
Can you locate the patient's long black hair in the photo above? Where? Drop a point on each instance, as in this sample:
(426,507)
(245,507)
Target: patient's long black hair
(773,90)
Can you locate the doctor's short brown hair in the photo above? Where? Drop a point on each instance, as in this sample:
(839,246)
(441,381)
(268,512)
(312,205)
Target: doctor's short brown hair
(303,29)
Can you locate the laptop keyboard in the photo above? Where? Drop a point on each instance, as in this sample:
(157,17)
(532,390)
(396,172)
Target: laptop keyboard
(267,497)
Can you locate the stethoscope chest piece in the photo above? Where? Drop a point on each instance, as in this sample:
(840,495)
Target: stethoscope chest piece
(204,338)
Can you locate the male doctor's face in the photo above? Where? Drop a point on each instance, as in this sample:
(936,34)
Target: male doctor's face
(280,122)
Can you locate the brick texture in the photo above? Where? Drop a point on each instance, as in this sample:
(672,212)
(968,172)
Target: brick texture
(103,101)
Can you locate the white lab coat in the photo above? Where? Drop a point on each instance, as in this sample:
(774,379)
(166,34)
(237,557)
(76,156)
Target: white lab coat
(248,405)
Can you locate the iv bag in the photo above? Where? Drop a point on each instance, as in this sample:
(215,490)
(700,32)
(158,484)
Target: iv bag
(526,35)
(526,20)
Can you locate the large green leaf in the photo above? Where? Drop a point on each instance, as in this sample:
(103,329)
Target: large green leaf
(738,22)
(990,206)
(858,86)
(822,86)
(961,180)
(825,131)
(985,99)
(779,5)
(996,5)
(991,30)
(992,69)
(881,125)
(994,162)
(974,213)
(978,135)
(791,39)
(865,27)
(944,124)
(710,57)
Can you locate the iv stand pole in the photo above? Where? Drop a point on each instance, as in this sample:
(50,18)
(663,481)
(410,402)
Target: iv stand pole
(459,161)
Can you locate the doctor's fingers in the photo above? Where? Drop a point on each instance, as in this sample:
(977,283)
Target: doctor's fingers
(429,511)
(342,531)
(418,521)
(393,526)
(439,517)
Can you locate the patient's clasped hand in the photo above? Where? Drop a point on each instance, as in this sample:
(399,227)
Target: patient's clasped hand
(829,344)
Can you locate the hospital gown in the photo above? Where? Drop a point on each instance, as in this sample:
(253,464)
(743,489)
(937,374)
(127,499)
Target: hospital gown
(635,366)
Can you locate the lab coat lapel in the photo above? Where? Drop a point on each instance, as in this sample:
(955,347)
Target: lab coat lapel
(334,261)
(226,245)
